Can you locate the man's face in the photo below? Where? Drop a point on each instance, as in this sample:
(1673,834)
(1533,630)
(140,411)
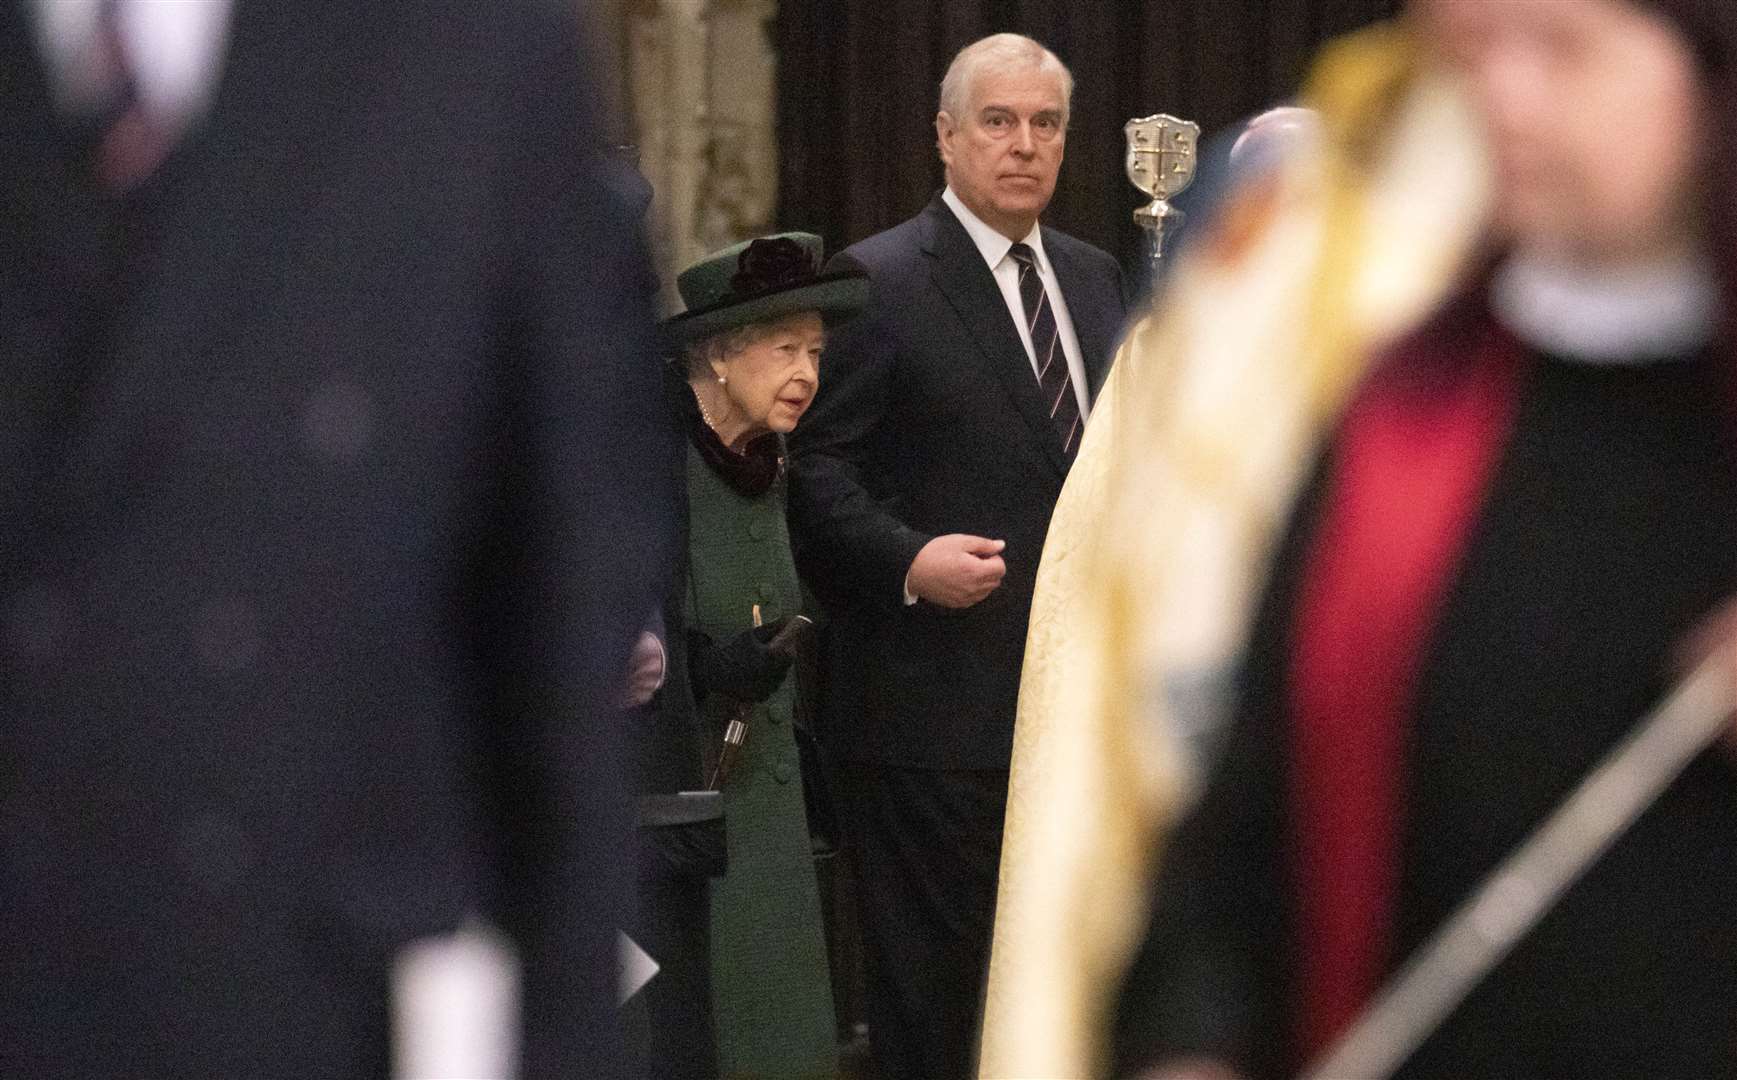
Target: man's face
(1003,155)
(1592,109)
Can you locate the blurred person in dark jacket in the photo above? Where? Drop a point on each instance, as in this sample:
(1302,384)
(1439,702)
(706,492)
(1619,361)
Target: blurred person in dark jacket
(328,510)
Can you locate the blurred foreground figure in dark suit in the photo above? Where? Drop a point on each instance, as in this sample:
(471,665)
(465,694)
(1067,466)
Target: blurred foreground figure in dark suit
(332,491)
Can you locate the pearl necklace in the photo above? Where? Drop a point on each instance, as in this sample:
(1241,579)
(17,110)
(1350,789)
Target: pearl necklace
(705,413)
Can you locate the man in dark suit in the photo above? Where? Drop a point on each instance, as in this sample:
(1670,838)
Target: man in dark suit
(924,479)
(332,491)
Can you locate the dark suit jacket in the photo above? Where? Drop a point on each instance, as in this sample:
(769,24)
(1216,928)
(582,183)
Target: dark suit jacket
(929,421)
(329,506)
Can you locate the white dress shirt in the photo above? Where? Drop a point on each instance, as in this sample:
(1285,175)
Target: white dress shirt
(995,247)
(174,50)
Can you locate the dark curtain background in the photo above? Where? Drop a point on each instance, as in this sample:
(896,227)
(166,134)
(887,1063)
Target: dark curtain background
(858,81)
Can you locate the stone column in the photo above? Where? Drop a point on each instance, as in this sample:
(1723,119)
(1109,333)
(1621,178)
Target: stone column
(738,190)
(702,83)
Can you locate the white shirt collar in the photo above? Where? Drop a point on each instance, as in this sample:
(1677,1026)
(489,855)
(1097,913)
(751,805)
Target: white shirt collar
(1632,315)
(175,48)
(990,243)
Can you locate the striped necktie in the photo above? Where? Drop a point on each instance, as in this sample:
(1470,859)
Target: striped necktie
(130,143)
(1052,361)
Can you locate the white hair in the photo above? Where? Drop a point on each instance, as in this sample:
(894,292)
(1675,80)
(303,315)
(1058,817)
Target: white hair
(1000,53)
(724,344)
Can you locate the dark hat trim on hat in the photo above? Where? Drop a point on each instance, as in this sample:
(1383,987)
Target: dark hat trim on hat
(832,294)
(835,296)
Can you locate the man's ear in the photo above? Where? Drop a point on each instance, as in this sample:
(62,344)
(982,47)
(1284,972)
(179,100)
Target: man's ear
(944,130)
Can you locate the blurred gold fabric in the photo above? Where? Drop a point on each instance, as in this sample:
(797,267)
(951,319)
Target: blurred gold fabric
(1160,540)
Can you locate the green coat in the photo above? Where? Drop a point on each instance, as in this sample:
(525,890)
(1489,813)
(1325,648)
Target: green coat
(771,989)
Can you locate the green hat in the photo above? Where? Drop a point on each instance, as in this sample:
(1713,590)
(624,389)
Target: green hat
(761,280)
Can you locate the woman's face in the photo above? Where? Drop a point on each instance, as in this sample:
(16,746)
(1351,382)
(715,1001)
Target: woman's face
(772,381)
(1593,112)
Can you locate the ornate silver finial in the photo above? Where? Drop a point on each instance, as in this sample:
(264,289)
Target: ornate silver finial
(1161,156)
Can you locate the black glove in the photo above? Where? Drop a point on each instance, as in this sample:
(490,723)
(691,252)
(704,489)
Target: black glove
(741,668)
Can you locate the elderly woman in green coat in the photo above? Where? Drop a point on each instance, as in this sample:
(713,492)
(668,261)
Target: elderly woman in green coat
(748,365)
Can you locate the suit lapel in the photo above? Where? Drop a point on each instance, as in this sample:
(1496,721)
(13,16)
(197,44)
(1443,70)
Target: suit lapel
(270,117)
(68,405)
(1096,320)
(230,231)
(963,278)
(57,251)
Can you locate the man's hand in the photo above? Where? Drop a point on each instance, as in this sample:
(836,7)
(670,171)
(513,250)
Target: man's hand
(644,671)
(956,570)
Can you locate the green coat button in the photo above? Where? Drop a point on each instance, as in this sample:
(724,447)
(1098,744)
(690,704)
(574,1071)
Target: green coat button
(783,772)
(757,530)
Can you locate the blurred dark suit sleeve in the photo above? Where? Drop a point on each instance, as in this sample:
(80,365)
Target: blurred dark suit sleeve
(848,538)
(595,522)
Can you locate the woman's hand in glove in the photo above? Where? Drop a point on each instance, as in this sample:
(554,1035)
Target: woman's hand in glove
(741,668)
